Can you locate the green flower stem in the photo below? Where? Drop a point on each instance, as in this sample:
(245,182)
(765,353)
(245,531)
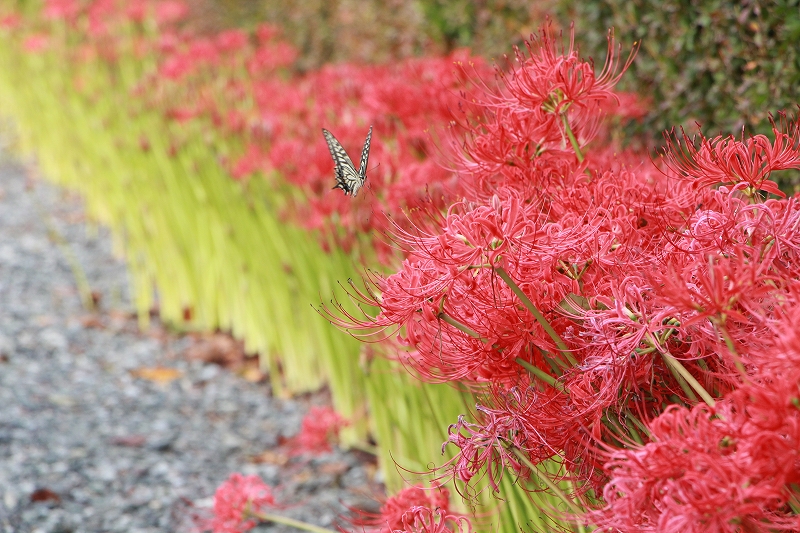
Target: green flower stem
(562,346)
(684,385)
(573,141)
(638,423)
(269,517)
(459,326)
(737,361)
(547,481)
(690,379)
(540,374)
(634,434)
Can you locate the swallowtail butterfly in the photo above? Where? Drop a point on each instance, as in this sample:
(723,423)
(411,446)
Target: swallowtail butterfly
(347,178)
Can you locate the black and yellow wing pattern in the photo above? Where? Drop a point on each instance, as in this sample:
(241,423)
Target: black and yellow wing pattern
(348,178)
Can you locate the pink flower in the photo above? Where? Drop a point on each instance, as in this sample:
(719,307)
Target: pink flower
(320,426)
(421,519)
(35,43)
(415,510)
(61,9)
(250,162)
(236,503)
(744,163)
(169,11)
(9,22)
(556,79)
(231,41)
(725,470)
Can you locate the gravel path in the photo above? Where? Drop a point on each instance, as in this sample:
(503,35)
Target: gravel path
(87,443)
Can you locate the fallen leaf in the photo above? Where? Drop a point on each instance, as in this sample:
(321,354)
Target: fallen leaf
(91,322)
(271,458)
(129,441)
(44,495)
(121,315)
(158,374)
(252,374)
(302,477)
(219,349)
(337,468)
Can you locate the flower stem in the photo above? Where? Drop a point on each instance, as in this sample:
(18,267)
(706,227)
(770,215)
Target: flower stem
(269,517)
(549,483)
(685,374)
(737,361)
(540,374)
(572,140)
(562,346)
(459,326)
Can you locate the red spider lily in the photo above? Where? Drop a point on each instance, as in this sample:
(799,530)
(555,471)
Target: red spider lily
(704,470)
(745,163)
(729,468)
(253,160)
(415,510)
(486,448)
(230,41)
(426,520)
(584,289)
(35,43)
(61,9)
(170,11)
(237,501)
(538,424)
(320,426)
(557,79)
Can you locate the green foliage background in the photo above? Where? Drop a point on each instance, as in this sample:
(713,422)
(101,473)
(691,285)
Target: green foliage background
(723,64)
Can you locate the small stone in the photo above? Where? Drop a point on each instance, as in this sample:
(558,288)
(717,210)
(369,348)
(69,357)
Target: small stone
(7,346)
(53,339)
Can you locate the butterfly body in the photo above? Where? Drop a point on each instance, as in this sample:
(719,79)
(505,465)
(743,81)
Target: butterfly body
(348,178)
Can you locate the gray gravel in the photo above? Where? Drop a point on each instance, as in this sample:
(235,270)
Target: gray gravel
(99,448)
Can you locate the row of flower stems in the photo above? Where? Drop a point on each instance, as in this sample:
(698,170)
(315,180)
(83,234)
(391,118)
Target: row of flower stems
(217,254)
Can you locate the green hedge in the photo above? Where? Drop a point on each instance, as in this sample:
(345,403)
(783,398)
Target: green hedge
(720,63)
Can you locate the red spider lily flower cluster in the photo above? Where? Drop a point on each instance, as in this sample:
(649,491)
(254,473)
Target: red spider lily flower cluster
(745,164)
(320,426)
(415,510)
(610,317)
(237,504)
(637,330)
(261,117)
(732,467)
(238,87)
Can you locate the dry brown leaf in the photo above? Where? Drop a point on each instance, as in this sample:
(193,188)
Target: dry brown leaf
(252,374)
(129,441)
(302,477)
(158,374)
(44,495)
(92,321)
(217,348)
(337,469)
(271,458)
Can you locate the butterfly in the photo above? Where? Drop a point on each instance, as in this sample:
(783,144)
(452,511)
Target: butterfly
(347,178)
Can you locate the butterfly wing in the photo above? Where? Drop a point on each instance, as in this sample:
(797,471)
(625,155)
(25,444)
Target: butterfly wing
(347,178)
(362,169)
